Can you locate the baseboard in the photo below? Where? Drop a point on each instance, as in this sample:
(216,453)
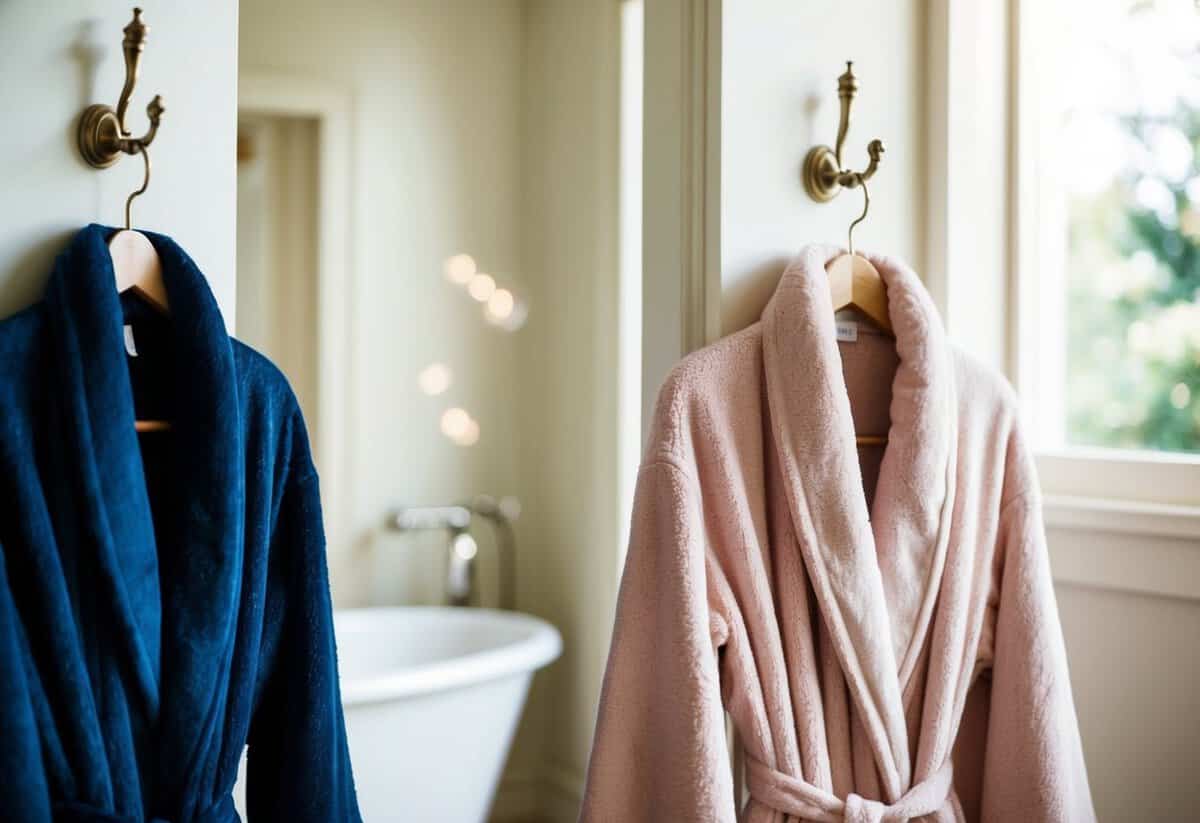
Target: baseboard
(552,794)
(563,792)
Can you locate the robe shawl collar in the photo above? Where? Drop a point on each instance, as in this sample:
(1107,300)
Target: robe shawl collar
(175,636)
(875,574)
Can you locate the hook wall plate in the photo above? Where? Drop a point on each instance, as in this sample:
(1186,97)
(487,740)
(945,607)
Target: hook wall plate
(820,174)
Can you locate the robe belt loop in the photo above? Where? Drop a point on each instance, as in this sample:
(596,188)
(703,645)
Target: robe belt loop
(798,798)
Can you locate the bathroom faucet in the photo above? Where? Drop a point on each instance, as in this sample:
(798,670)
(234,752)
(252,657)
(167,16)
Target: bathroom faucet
(455,520)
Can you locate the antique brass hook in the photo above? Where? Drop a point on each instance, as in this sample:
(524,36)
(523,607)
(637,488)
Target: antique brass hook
(824,174)
(103,135)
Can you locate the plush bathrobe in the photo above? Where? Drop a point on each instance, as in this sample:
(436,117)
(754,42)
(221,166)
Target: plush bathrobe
(163,597)
(880,662)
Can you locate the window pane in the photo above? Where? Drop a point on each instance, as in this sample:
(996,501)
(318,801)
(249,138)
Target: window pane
(1121,196)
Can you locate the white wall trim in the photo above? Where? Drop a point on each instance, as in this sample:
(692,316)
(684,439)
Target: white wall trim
(681,223)
(1124,517)
(967,243)
(702,169)
(1154,570)
(937,153)
(1150,549)
(331,107)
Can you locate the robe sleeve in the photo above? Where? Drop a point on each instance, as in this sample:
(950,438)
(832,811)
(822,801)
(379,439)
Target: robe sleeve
(1033,762)
(298,762)
(659,752)
(24,795)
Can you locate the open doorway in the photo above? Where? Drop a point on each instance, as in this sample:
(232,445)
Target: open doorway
(295,268)
(277,196)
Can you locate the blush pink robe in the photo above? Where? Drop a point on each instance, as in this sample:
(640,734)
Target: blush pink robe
(881,662)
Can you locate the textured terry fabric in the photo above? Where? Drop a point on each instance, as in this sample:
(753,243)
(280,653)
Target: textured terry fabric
(883,634)
(162,602)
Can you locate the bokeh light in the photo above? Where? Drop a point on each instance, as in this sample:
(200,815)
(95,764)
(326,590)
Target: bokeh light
(459,426)
(500,305)
(459,269)
(435,379)
(481,287)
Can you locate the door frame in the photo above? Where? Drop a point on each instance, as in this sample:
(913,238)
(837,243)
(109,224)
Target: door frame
(681,201)
(331,107)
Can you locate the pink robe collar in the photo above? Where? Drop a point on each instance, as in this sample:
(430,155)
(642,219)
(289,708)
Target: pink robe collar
(875,574)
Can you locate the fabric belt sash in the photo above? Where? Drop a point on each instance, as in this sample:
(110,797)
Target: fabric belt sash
(222,811)
(797,798)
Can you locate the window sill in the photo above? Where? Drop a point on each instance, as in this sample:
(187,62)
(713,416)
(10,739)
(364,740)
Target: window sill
(1148,481)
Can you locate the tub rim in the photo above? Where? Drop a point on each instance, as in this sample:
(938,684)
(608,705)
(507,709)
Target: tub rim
(524,655)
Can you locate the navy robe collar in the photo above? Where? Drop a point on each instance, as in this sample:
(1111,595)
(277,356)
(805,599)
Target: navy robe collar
(177,641)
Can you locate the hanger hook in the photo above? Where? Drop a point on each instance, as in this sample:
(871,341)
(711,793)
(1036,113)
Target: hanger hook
(866,208)
(146,185)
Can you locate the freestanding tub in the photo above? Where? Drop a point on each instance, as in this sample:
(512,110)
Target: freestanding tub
(432,696)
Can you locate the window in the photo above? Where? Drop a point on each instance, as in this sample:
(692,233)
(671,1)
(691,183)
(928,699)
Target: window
(1108,216)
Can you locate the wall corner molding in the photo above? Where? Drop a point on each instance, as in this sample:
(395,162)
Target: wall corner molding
(681,224)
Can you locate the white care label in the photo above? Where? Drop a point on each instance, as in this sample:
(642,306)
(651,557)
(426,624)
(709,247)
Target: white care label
(847,331)
(131,349)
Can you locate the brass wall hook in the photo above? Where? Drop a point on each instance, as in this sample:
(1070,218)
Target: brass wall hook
(103,135)
(824,175)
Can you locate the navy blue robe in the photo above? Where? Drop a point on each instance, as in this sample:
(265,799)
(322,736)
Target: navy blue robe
(164,598)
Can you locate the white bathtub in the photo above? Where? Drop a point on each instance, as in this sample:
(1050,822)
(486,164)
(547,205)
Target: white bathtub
(432,697)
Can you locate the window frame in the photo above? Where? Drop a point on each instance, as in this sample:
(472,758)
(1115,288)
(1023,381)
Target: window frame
(990,305)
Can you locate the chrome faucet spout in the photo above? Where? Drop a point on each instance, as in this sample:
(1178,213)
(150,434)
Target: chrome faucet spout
(456,520)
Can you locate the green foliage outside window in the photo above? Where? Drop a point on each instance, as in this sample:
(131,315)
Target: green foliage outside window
(1133,355)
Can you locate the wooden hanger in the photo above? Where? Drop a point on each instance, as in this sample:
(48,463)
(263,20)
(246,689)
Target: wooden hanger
(854,283)
(137,268)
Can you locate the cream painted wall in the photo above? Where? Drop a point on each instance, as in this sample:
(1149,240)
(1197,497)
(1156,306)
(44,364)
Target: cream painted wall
(779,66)
(436,118)
(55,59)
(1134,670)
(1127,578)
(569,542)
